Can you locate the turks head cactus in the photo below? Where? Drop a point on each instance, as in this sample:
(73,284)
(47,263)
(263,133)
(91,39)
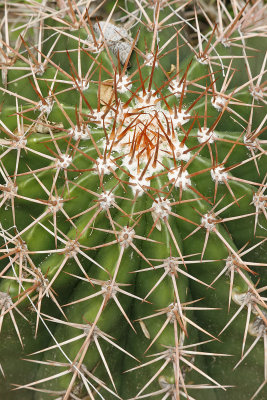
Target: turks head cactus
(133,206)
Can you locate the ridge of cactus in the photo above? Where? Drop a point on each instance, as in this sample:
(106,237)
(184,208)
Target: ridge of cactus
(133,208)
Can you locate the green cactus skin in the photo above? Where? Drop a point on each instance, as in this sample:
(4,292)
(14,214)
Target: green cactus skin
(132,201)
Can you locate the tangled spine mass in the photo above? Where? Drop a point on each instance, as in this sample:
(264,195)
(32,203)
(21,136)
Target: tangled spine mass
(132,200)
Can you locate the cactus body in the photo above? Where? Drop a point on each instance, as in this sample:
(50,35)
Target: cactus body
(133,214)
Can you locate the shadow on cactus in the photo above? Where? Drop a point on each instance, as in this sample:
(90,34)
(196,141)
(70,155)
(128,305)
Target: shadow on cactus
(133,206)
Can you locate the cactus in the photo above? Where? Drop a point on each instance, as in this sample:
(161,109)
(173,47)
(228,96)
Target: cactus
(133,207)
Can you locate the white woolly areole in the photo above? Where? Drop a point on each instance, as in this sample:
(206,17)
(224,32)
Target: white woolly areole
(65,161)
(104,165)
(19,144)
(5,301)
(226,42)
(71,248)
(218,174)
(83,84)
(79,133)
(162,209)
(218,102)
(126,236)
(150,60)
(181,178)
(259,201)
(251,143)
(149,101)
(38,69)
(180,118)
(176,88)
(180,151)
(109,289)
(43,282)
(123,84)
(205,136)
(45,108)
(244,298)
(56,204)
(208,221)
(106,200)
(97,117)
(137,184)
(174,310)
(258,327)
(257,93)
(230,264)
(202,59)
(12,189)
(170,265)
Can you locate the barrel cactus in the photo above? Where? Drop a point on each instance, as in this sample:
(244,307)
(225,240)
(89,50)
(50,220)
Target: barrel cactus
(133,206)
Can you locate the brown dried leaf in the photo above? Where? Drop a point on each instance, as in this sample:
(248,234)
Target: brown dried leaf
(106,92)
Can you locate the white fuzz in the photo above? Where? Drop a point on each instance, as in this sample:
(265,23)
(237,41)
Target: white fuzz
(137,184)
(83,84)
(38,69)
(245,298)
(218,174)
(150,60)
(169,388)
(176,88)
(161,210)
(106,200)
(71,248)
(126,236)
(259,201)
(97,117)
(5,301)
(205,136)
(19,144)
(208,221)
(123,84)
(258,327)
(149,101)
(110,32)
(170,265)
(64,161)
(230,264)
(218,102)
(45,108)
(44,282)
(79,133)
(56,204)
(105,165)
(202,60)
(180,152)
(11,191)
(226,42)
(181,118)
(109,289)
(181,179)
(251,144)
(257,93)
(173,311)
